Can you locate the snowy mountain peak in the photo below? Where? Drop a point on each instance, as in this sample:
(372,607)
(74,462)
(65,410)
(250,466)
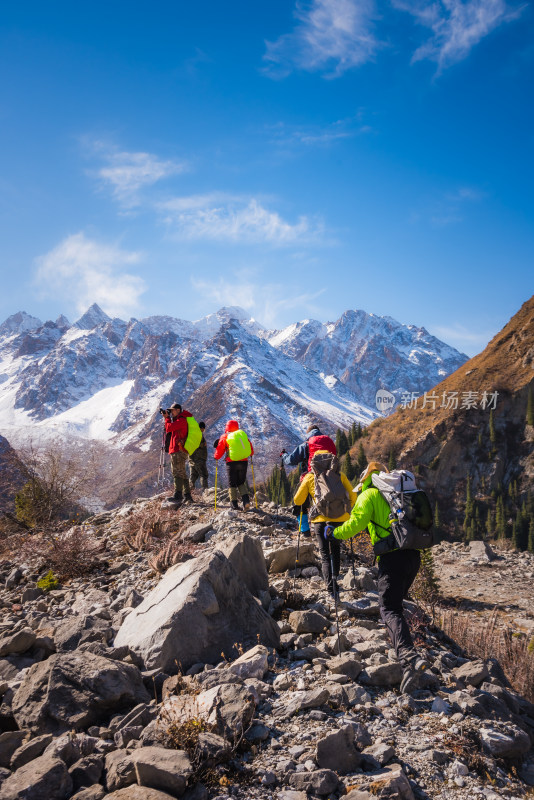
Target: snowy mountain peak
(93,316)
(21,322)
(62,321)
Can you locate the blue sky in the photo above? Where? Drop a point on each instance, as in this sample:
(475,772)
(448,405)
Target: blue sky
(296,159)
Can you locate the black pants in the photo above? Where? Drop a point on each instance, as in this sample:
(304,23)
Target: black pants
(327,548)
(237,478)
(396,573)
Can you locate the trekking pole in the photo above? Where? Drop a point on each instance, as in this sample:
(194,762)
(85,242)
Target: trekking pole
(334,587)
(161,468)
(254,482)
(352,556)
(297,554)
(215,487)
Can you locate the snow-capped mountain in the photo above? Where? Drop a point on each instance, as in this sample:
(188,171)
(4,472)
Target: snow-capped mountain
(368,352)
(104,379)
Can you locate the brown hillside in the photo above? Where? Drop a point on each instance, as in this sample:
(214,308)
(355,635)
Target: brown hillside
(446,444)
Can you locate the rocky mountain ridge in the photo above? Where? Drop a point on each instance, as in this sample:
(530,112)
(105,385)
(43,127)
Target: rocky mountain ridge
(289,719)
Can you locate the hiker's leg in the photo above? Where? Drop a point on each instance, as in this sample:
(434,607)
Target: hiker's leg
(193,473)
(324,552)
(203,470)
(232,482)
(391,586)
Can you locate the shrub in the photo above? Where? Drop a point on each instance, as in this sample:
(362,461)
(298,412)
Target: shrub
(68,554)
(48,583)
(173,552)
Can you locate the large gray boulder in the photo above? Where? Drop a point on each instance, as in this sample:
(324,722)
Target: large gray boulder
(245,554)
(71,691)
(199,609)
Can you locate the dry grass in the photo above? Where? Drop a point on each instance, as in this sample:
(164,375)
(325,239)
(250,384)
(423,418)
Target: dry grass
(173,551)
(487,639)
(147,527)
(69,554)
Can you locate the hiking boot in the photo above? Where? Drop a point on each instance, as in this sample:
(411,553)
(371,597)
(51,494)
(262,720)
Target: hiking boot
(414,676)
(188,498)
(235,505)
(176,498)
(333,590)
(306,534)
(246,502)
(204,484)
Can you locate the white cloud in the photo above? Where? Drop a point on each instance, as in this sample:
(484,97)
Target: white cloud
(469,341)
(317,135)
(84,271)
(456,26)
(127,173)
(266,302)
(232,218)
(334,35)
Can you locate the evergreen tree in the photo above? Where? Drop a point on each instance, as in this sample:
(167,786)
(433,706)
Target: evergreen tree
(360,431)
(500,520)
(342,443)
(392,462)
(347,467)
(361,461)
(490,524)
(531,535)
(530,407)
(492,432)
(469,507)
(353,433)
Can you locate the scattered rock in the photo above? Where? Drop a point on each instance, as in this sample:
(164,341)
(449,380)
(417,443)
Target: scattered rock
(44,778)
(165,770)
(75,690)
(337,751)
(308,622)
(473,673)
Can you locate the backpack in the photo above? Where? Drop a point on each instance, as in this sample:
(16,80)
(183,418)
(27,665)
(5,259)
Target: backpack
(319,442)
(410,513)
(331,499)
(238,445)
(194,435)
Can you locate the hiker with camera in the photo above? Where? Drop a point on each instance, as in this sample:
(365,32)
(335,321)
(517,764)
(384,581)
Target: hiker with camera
(332,497)
(398,518)
(177,431)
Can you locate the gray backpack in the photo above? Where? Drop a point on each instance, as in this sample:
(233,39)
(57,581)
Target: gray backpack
(331,498)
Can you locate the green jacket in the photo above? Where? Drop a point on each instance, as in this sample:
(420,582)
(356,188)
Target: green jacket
(370,505)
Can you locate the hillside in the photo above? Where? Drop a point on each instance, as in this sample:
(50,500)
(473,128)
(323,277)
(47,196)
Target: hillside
(11,476)
(180,656)
(445,445)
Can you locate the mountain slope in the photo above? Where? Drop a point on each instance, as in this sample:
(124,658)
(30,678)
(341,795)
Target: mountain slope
(449,444)
(104,379)
(367,352)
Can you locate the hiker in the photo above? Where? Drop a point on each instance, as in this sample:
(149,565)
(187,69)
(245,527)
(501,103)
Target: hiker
(176,425)
(397,570)
(198,461)
(237,446)
(334,511)
(301,456)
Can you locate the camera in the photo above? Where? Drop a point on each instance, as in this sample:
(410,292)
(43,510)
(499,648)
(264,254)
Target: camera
(165,411)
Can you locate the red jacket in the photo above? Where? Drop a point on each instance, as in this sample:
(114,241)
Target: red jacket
(178,430)
(222,447)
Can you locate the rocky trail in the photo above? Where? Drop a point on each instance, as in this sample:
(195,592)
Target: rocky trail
(193,662)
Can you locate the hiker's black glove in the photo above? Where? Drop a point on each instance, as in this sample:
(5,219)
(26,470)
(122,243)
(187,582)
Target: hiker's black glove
(328,532)
(282,453)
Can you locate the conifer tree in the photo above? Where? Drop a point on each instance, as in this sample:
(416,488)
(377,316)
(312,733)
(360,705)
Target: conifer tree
(530,407)
(392,462)
(531,536)
(361,461)
(469,507)
(342,444)
(347,466)
(492,432)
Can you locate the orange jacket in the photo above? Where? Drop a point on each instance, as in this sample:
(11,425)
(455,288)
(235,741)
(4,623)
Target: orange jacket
(222,447)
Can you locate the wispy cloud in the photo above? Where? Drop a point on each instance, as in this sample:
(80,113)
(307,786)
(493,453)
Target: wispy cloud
(449,208)
(330,35)
(285,135)
(127,173)
(84,271)
(469,341)
(225,217)
(266,302)
(456,26)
